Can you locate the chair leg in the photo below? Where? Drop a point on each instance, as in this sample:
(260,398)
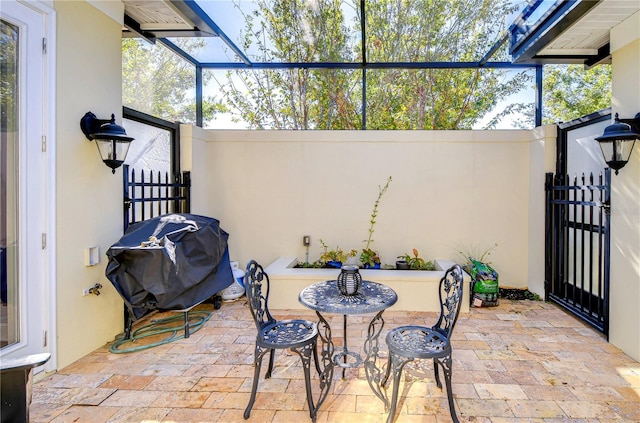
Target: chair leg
(398,364)
(305,355)
(270,369)
(315,358)
(436,373)
(446,367)
(257,364)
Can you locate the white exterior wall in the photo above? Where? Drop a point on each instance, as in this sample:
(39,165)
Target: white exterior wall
(451,190)
(542,159)
(89,205)
(624,330)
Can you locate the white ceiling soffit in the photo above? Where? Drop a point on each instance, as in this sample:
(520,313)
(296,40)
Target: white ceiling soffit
(591,32)
(155,15)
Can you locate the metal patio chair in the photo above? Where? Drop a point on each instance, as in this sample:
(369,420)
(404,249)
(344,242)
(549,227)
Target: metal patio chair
(407,343)
(300,336)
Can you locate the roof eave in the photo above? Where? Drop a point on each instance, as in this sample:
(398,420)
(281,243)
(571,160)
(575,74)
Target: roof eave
(559,18)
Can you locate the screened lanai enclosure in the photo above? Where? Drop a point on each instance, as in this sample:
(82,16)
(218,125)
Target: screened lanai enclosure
(357,64)
(336,64)
(365,64)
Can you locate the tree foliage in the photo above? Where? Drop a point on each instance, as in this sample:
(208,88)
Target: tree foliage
(295,98)
(571,91)
(293,31)
(158,82)
(435,31)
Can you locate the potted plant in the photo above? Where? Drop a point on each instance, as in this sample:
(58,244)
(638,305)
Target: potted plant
(485,288)
(335,258)
(369,257)
(414,263)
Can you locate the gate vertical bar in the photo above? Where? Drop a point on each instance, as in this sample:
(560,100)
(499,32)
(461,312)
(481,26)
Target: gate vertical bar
(574,256)
(186,182)
(151,192)
(560,234)
(126,203)
(582,243)
(607,248)
(600,241)
(166,192)
(159,194)
(560,286)
(591,234)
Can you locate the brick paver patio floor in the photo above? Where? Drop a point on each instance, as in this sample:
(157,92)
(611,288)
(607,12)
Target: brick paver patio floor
(523,361)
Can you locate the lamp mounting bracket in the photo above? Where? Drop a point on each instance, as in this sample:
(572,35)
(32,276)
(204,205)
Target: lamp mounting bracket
(634,122)
(90,124)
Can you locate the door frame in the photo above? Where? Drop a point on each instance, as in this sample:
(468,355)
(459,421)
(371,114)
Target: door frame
(46,274)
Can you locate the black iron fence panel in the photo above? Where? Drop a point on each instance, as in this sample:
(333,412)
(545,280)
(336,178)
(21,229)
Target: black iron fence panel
(149,194)
(577,245)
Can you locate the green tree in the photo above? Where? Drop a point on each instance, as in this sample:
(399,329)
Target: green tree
(571,91)
(158,82)
(397,30)
(295,31)
(436,31)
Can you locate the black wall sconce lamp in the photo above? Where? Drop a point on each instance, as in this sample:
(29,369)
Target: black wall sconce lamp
(111,139)
(618,140)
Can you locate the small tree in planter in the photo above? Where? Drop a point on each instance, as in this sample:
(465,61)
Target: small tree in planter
(369,257)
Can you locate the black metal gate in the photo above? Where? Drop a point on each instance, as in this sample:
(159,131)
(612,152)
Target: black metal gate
(577,243)
(150,194)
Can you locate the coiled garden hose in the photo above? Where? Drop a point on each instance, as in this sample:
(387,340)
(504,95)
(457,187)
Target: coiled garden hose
(158,327)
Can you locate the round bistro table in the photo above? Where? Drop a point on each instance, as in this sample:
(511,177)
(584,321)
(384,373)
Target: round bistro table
(372,297)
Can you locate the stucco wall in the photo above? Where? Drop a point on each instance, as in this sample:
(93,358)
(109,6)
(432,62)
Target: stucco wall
(89,210)
(451,191)
(625,196)
(542,159)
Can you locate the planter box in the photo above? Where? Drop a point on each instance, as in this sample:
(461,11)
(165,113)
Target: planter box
(417,289)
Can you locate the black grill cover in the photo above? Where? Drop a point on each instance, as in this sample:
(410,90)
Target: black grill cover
(170,262)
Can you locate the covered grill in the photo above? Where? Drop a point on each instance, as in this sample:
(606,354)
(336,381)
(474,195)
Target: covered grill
(171,262)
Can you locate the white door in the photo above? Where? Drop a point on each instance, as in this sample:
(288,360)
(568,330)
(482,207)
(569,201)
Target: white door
(23,202)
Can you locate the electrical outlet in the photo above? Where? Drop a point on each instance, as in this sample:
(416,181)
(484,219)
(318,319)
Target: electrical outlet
(306,240)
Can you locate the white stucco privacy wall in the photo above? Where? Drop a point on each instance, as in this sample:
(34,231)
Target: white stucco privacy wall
(624,329)
(88,207)
(542,159)
(451,191)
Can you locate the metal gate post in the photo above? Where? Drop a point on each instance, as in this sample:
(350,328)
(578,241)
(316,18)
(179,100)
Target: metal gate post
(607,247)
(548,235)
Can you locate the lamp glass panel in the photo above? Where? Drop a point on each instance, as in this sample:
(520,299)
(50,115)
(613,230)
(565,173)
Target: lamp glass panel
(622,149)
(122,148)
(607,150)
(616,150)
(113,149)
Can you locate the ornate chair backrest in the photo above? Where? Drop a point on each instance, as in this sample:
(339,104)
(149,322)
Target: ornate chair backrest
(256,285)
(451,287)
